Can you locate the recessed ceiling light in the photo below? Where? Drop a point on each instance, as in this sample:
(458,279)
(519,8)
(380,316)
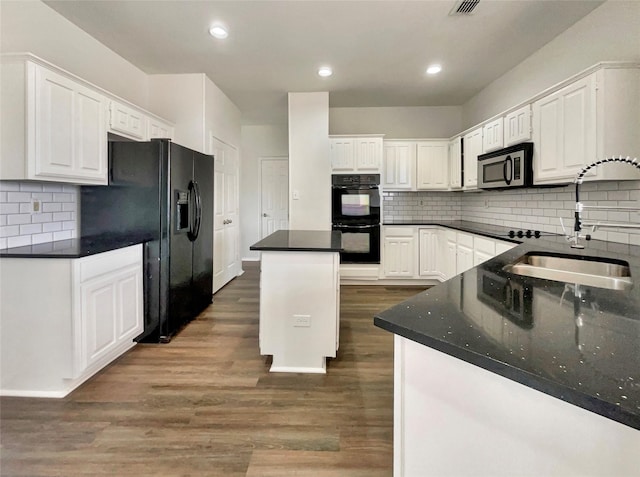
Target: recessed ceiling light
(219,32)
(434,69)
(325,71)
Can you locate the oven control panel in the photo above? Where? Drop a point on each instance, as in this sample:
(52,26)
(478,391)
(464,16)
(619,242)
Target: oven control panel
(524,233)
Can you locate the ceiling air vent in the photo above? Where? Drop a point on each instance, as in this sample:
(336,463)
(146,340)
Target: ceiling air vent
(464,7)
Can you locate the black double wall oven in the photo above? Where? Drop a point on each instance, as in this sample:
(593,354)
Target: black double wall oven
(355,211)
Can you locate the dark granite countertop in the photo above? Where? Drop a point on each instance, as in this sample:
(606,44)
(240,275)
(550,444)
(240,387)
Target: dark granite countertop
(300,241)
(75,248)
(583,348)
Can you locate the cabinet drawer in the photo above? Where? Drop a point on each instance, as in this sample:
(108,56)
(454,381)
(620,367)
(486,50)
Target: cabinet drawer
(107,262)
(484,245)
(399,231)
(464,239)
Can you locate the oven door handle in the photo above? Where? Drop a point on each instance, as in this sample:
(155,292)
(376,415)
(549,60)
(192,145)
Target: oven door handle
(341,226)
(356,187)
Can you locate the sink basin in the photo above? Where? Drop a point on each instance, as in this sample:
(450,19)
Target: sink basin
(590,271)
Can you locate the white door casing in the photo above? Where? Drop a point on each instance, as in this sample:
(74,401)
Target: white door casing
(274,189)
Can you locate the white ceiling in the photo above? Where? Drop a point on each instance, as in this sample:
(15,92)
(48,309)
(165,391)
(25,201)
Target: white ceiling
(379,50)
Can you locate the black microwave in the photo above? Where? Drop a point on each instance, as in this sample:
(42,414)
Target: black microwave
(506,168)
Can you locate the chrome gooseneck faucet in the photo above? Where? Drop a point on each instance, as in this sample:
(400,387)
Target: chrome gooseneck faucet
(578,224)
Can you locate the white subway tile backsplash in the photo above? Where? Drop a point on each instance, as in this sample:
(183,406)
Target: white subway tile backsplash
(41,238)
(57,221)
(30,187)
(51,207)
(52,187)
(43,217)
(52,227)
(18,219)
(9,230)
(18,241)
(62,235)
(9,186)
(30,229)
(8,208)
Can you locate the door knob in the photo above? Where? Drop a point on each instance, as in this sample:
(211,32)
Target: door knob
(265,214)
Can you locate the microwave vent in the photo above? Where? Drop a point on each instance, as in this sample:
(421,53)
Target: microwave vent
(463,7)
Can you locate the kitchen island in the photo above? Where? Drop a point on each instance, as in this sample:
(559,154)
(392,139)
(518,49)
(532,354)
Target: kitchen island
(299,299)
(549,387)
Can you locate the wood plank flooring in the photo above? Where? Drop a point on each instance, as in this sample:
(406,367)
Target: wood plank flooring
(206,405)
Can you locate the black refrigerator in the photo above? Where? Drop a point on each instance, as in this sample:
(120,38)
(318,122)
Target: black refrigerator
(164,192)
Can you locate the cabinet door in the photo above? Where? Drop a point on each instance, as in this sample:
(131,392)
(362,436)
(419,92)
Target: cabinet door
(342,155)
(159,129)
(432,165)
(472,144)
(455,163)
(464,256)
(428,252)
(400,254)
(99,300)
(492,136)
(517,126)
(368,154)
(130,304)
(564,131)
(127,121)
(70,134)
(399,165)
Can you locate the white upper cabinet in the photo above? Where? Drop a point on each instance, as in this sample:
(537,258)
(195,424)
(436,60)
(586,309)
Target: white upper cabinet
(492,136)
(432,163)
(159,129)
(517,126)
(368,154)
(472,143)
(399,165)
(356,154)
(455,163)
(127,121)
(564,131)
(53,127)
(592,118)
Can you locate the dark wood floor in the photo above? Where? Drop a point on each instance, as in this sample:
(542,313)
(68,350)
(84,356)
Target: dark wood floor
(206,405)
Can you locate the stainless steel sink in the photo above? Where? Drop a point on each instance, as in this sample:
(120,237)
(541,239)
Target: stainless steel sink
(590,271)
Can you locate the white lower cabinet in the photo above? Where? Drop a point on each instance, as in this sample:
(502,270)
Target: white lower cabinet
(439,253)
(87,313)
(429,249)
(399,251)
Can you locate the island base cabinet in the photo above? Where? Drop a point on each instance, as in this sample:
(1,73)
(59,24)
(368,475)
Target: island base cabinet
(62,320)
(299,309)
(452,418)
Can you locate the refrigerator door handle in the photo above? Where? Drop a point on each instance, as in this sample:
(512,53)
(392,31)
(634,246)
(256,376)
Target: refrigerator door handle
(195,230)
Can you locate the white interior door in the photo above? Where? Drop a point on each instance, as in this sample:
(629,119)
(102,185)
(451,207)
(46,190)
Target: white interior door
(274,180)
(226,223)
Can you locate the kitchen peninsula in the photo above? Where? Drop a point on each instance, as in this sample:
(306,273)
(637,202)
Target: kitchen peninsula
(299,299)
(551,387)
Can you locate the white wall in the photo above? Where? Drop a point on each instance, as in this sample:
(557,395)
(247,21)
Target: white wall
(222,117)
(611,32)
(257,142)
(31,26)
(398,122)
(180,99)
(309,165)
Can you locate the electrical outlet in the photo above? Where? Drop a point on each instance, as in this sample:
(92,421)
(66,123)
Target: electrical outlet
(36,206)
(302,321)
